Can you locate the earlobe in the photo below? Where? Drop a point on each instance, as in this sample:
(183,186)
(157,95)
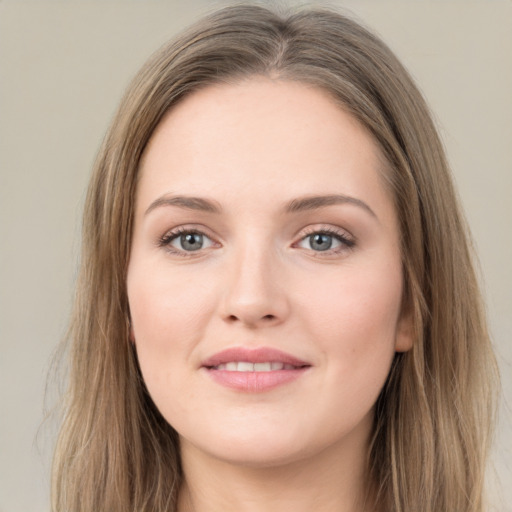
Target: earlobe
(404,338)
(131,335)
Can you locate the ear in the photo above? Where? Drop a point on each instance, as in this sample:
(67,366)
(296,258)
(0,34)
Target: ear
(131,334)
(404,337)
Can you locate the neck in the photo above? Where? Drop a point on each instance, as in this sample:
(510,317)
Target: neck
(333,480)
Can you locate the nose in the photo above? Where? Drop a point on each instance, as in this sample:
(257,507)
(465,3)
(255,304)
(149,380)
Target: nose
(254,294)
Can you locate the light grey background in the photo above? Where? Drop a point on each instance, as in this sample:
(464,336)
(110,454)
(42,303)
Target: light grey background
(63,67)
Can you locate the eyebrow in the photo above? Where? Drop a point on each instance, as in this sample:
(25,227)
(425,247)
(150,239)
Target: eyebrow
(315,202)
(296,205)
(187,202)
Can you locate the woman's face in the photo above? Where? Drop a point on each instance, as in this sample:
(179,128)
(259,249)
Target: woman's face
(265,278)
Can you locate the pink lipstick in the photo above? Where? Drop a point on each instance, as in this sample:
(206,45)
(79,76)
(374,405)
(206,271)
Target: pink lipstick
(254,370)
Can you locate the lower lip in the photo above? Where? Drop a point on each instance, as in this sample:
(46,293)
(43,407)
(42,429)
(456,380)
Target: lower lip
(255,382)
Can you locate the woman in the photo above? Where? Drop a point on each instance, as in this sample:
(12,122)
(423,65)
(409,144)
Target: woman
(277,307)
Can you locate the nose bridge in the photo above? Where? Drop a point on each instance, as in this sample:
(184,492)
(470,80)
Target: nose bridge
(254,293)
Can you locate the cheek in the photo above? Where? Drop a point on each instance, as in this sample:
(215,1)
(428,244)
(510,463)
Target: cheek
(356,330)
(169,315)
(355,317)
(166,306)
(164,332)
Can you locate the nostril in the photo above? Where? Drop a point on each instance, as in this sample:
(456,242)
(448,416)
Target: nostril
(267,318)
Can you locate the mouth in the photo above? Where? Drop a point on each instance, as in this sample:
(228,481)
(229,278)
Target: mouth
(246,366)
(254,370)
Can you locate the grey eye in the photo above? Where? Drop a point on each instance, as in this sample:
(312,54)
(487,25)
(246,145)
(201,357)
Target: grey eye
(190,241)
(320,241)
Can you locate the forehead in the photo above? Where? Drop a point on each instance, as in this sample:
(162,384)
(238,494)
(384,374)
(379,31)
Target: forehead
(264,107)
(291,137)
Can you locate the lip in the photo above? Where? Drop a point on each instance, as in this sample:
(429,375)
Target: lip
(254,355)
(254,382)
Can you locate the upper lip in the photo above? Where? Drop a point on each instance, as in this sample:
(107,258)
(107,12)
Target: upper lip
(254,355)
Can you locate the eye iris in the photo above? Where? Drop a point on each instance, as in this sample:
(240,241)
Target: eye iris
(191,241)
(320,241)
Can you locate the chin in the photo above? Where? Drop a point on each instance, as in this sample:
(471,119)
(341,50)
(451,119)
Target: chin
(255,455)
(261,448)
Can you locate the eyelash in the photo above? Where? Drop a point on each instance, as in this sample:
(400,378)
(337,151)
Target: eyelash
(347,241)
(170,236)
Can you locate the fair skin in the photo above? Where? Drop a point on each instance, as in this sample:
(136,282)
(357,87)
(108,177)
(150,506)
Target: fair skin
(306,293)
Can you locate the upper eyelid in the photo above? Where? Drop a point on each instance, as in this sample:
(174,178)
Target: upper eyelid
(347,241)
(188,228)
(325,228)
(165,240)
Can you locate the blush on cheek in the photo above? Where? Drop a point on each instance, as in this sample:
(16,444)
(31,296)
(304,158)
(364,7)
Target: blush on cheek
(361,322)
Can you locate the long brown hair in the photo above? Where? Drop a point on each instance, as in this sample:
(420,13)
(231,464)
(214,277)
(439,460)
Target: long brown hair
(434,416)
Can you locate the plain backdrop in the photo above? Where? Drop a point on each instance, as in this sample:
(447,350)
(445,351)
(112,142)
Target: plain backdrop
(63,68)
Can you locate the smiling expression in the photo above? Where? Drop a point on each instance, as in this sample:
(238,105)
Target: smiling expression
(265,277)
